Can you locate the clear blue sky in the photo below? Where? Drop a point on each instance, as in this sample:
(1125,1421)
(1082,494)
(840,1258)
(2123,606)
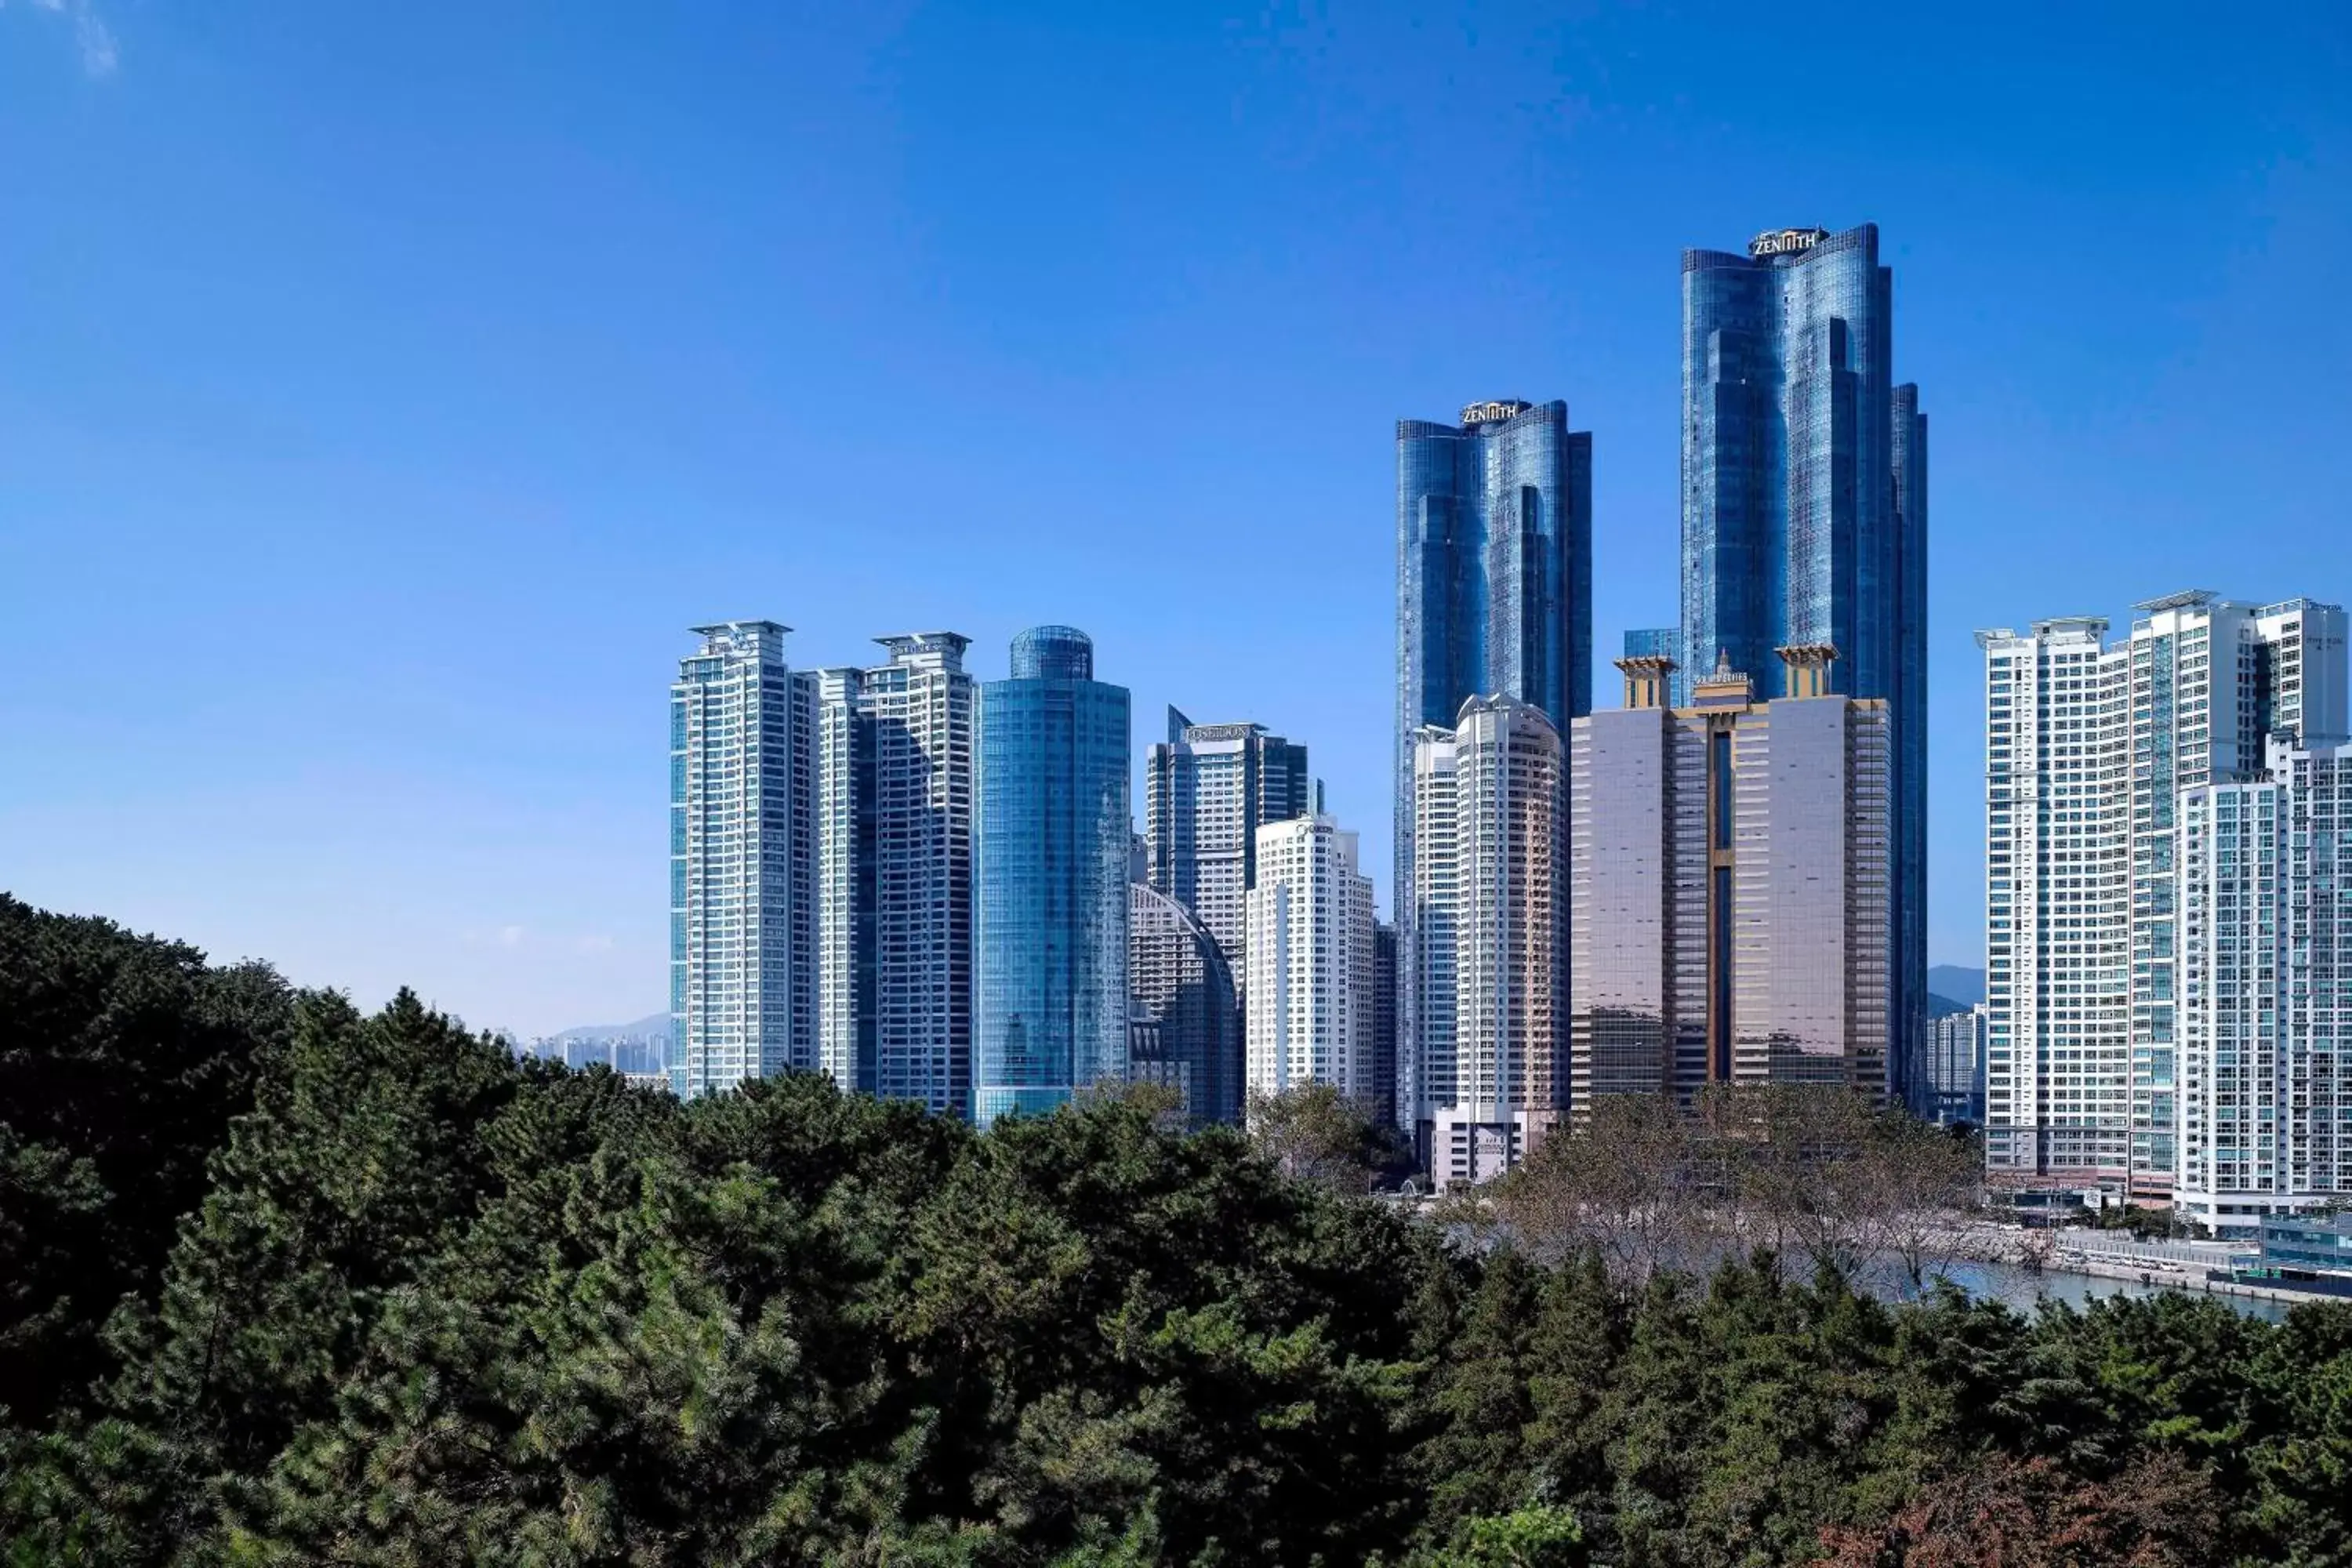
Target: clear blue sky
(386,389)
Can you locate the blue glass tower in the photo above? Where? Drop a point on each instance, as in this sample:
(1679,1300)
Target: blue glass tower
(1805,517)
(1494,598)
(1050,879)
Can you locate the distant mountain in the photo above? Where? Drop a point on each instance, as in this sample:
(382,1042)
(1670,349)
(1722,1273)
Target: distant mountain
(1939,1006)
(657,1024)
(1963,985)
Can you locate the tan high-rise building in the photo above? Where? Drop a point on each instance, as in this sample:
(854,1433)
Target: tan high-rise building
(1729,884)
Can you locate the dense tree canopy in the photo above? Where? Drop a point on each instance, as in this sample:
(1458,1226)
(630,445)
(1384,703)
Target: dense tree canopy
(287,1283)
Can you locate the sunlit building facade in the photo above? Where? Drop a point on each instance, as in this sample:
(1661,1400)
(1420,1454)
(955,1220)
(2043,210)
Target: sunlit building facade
(894,802)
(1728,886)
(2264,913)
(1312,963)
(1207,789)
(1050,877)
(2089,747)
(1488,973)
(743,911)
(1804,472)
(1493,599)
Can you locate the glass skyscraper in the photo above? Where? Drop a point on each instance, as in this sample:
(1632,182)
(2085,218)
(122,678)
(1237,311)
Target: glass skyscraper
(1493,599)
(1050,875)
(1804,522)
(743,914)
(1207,789)
(1184,1025)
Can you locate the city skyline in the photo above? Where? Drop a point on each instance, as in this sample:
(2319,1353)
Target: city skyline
(599,391)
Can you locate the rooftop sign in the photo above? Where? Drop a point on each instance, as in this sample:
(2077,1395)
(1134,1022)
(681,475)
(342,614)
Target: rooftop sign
(1785,241)
(1507,408)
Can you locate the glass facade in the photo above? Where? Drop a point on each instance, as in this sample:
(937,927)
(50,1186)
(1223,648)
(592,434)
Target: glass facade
(1804,514)
(1207,789)
(1184,1028)
(1656,642)
(1051,878)
(1494,598)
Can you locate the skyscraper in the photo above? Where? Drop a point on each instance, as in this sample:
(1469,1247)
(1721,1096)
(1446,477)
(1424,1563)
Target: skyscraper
(742,914)
(2212,682)
(1958,1068)
(1183,1027)
(1050,879)
(1385,1024)
(1728,886)
(2265,1008)
(894,793)
(1312,962)
(1489,973)
(1656,642)
(1804,521)
(1207,788)
(2088,747)
(1493,599)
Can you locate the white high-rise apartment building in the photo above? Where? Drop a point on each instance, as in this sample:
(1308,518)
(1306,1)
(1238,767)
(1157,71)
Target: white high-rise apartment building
(2212,681)
(1312,1010)
(2088,747)
(2264,911)
(893,794)
(1488,1074)
(2057,903)
(742,918)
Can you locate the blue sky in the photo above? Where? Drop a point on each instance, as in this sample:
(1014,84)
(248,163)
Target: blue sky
(386,389)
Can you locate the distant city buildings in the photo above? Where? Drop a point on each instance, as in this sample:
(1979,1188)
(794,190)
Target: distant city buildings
(1956,1065)
(1804,472)
(1050,879)
(2088,748)
(1183,1022)
(742,894)
(1313,962)
(2264,913)
(1488,980)
(1493,599)
(1728,881)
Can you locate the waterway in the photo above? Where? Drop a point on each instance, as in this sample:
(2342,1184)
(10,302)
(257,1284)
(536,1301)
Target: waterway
(2023,1290)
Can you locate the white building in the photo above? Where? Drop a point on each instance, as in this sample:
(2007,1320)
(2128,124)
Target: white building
(893,806)
(2057,904)
(2087,748)
(742,914)
(1312,1013)
(2264,910)
(1488,1074)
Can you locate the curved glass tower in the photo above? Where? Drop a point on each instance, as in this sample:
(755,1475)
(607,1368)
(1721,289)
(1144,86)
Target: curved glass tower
(1804,519)
(1494,598)
(1050,879)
